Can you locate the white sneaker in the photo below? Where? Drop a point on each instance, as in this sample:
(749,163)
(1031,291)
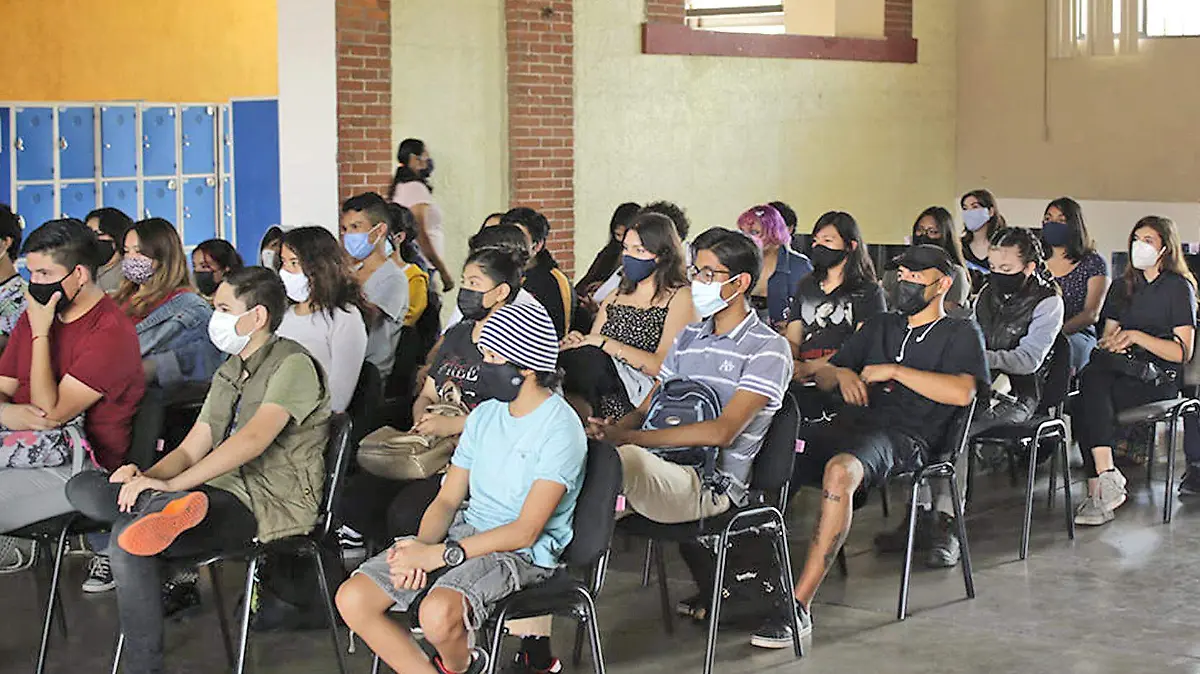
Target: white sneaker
(1091,513)
(100,577)
(1110,490)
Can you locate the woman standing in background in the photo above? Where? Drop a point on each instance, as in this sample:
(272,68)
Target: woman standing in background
(410,188)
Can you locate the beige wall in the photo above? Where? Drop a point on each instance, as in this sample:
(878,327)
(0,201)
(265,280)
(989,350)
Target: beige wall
(1120,128)
(448,82)
(718,135)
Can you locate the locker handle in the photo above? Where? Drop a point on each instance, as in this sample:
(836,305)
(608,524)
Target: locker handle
(62,142)
(171,185)
(20,144)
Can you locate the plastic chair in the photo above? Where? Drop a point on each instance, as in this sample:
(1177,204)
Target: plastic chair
(769,490)
(337,457)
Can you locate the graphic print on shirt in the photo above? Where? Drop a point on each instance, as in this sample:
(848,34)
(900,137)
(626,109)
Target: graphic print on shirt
(459,381)
(834,312)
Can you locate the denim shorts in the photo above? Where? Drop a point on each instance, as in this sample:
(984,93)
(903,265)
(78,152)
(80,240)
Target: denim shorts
(482,581)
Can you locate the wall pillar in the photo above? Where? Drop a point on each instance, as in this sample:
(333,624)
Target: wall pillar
(365,158)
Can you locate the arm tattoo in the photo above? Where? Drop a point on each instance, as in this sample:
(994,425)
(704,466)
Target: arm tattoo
(830,496)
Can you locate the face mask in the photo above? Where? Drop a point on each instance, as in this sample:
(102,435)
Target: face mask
(1143,255)
(976,218)
(910,298)
(42,292)
(137,268)
(107,249)
(428,170)
(637,269)
(295,284)
(205,283)
(222,330)
(706,298)
(470,303)
(502,382)
(359,244)
(824,257)
(923,240)
(388,249)
(1056,233)
(268,258)
(1007,284)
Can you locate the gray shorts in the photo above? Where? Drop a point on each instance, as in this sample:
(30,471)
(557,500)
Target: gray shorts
(482,581)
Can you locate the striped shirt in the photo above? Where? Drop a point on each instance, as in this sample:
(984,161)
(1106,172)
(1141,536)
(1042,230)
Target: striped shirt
(752,357)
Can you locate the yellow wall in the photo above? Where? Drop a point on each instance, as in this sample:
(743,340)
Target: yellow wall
(1121,128)
(449,89)
(718,135)
(153,50)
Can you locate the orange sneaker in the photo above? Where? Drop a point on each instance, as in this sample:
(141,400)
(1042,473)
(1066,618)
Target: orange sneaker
(152,533)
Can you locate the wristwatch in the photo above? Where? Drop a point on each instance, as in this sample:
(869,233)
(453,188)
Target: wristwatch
(454,555)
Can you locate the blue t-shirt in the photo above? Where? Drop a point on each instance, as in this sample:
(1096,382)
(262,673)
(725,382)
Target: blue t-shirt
(505,454)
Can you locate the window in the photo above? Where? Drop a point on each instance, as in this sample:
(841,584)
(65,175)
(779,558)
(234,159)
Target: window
(1170,18)
(736,16)
(1081,18)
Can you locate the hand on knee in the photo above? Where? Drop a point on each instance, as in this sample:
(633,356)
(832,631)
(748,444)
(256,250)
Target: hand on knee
(442,617)
(843,474)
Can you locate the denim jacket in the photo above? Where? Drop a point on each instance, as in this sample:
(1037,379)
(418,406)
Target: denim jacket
(175,337)
(791,268)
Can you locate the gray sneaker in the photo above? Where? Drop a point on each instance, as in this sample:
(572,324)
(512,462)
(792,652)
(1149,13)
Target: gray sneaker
(1092,514)
(776,632)
(1110,490)
(16,554)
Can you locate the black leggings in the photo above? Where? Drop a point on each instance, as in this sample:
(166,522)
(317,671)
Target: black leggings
(1102,395)
(382,509)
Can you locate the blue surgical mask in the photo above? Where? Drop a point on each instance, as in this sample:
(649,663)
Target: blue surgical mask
(706,298)
(637,270)
(976,218)
(359,244)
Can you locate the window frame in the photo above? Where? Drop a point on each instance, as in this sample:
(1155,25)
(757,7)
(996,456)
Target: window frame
(1144,26)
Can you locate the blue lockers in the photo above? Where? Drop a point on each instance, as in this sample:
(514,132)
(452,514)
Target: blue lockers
(158,141)
(35,143)
(77,142)
(199,210)
(160,200)
(5,158)
(35,203)
(118,141)
(255,171)
(76,200)
(122,194)
(198,125)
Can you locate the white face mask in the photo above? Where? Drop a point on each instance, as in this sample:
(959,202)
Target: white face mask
(222,330)
(268,258)
(1143,255)
(706,298)
(295,284)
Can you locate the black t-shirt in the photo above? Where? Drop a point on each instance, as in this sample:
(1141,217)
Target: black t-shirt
(948,346)
(829,320)
(457,365)
(1154,308)
(552,290)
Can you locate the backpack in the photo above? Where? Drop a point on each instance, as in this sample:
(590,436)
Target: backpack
(682,402)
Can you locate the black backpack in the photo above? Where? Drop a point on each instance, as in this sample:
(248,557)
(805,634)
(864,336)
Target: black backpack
(681,402)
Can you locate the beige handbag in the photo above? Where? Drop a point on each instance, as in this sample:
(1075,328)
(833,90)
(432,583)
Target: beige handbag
(403,455)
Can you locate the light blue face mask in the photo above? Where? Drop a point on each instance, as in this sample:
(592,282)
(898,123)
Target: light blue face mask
(706,298)
(976,218)
(358,244)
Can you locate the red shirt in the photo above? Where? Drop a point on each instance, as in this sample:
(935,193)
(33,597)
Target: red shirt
(100,349)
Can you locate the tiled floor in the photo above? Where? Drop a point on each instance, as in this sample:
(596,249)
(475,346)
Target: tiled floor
(1123,598)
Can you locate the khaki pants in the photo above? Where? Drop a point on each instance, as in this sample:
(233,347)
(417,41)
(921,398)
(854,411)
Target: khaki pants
(665,492)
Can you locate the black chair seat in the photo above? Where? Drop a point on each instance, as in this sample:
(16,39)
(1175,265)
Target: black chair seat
(51,528)
(1144,414)
(636,525)
(544,598)
(1013,432)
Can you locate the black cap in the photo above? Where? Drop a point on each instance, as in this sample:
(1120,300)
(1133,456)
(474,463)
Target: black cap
(926,256)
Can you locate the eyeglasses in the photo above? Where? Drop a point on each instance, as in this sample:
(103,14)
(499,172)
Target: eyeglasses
(706,275)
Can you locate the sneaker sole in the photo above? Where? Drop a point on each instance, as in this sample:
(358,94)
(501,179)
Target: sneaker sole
(151,534)
(773,644)
(1088,522)
(98,589)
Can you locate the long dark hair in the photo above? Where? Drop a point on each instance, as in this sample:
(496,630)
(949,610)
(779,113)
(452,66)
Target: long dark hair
(1172,256)
(1029,249)
(609,258)
(859,270)
(994,224)
(159,241)
(408,148)
(949,238)
(402,222)
(502,264)
(222,252)
(659,237)
(331,286)
(1079,242)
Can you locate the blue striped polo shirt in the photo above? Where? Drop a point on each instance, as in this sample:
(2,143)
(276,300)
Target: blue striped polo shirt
(752,357)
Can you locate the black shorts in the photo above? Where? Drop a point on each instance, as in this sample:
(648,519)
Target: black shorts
(880,451)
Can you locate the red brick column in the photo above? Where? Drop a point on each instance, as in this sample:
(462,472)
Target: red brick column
(898,18)
(666,11)
(541,116)
(364,87)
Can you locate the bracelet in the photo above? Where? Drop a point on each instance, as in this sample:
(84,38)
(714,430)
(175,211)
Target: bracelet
(603,344)
(37,337)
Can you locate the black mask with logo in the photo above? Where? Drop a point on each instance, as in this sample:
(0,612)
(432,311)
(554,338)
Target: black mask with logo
(501,381)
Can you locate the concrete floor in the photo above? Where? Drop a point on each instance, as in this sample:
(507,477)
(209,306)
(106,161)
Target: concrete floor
(1118,599)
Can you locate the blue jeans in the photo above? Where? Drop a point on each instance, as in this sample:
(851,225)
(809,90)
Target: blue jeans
(1081,344)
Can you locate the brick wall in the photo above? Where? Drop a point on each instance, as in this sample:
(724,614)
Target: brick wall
(364,62)
(541,116)
(898,18)
(666,11)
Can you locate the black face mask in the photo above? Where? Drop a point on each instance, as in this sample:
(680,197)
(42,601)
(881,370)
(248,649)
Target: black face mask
(205,283)
(922,240)
(428,170)
(501,382)
(910,298)
(470,303)
(107,249)
(824,257)
(1007,284)
(42,292)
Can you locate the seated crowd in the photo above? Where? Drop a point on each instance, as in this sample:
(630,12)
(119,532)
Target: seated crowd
(255,361)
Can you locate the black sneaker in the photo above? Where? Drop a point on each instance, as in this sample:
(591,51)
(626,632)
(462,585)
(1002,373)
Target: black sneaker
(479,663)
(944,549)
(1190,484)
(892,542)
(520,665)
(776,632)
(180,598)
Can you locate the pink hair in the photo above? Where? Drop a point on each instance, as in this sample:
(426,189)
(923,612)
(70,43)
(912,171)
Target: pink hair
(774,229)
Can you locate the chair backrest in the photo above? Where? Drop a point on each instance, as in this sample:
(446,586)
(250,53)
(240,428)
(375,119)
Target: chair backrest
(1058,376)
(773,466)
(364,404)
(147,429)
(1191,370)
(429,325)
(337,464)
(958,431)
(595,511)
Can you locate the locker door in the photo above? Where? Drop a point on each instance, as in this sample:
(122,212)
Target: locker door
(118,142)
(76,200)
(159,200)
(35,204)
(199,210)
(122,194)
(77,143)
(227,210)
(158,141)
(35,143)
(256,171)
(199,124)
(5,157)
(227,139)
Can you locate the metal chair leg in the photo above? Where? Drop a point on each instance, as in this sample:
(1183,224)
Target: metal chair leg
(961,520)
(885,500)
(116,663)
(1068,506)
(789,582)
(53,600)
(214,576)
(330,613)
(1150,451)
(495,642)
(1026,522)
(647,563)
(375,665)
(247,604)
(714,610)
(577,649)
(664,593)
(593,625)
(1053,480)
(902,606)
